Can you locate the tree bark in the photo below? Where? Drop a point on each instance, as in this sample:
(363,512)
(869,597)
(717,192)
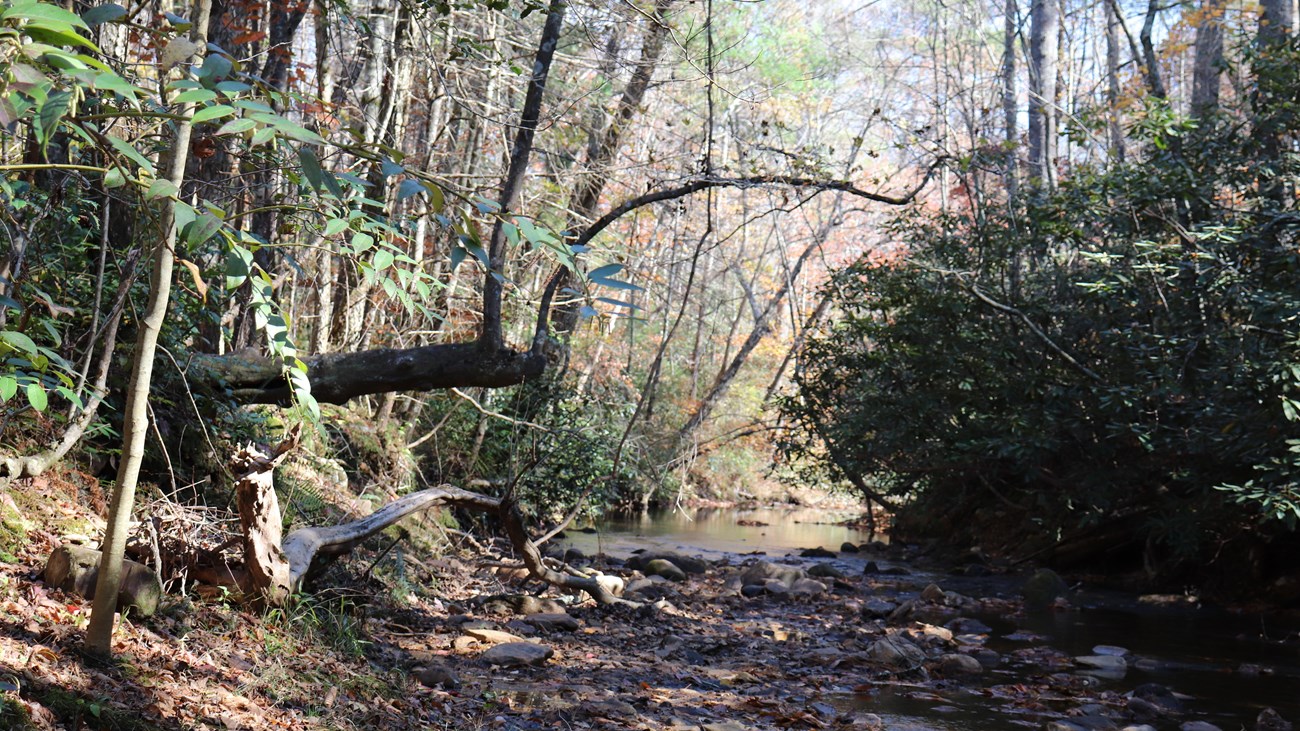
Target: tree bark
(1043,52)
(135,425)
(1208,63)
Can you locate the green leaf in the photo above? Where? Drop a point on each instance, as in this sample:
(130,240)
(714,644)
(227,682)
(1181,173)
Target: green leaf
(362,242)
(8,387)
(36,396)
(198,96)
(114,178)
(161,188)
(52,15)
(383,259)
(236,126)
(132,154)
(335,226)
(606,271)
(239,264)
(202,229)
(106,13)
(19,341)
(408,188)
(209,113)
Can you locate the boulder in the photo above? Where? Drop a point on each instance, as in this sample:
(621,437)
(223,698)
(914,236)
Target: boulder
(1042,588)
(1271,720)
(552,622)
(808,587)
(825,571)
(75,569)
(895,652)
(689,564)
(958,664)
(436,676)
(761,572)
(847,547)
(818,552)
(752,590)
(665,568)
(776,587)
(518,654)
(932,593)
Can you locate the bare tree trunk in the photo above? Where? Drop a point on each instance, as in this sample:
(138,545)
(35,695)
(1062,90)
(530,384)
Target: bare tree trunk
(135,425)
(1209,60)
(1010,107)
(1151,62)
(1043,52)
(1115,131)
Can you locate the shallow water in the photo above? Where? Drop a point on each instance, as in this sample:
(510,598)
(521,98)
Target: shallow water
(1195,651)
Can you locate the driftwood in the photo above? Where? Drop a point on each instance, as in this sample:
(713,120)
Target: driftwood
(275,569)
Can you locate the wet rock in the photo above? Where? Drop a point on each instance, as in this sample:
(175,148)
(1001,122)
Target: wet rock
(1083,723)
(75,569)
(552,622)
(762,571)
(689,564)
(436,676)
(1143,710)
(1160,696)
(825,571)
(1102,662)
(988,658)
(750,591)
(958,664)
(776,587)
(650,587)
(491,636)
(808,587)
(973,569)
(518,654)
(968,625)
(903,613)
(869,721)
(574,555)
(1111,650)
(665,568)
(1271,720)
(932,593)
(871,568)
(896,652)
(1138,727)
(877,609)
(1042,588)
(818,552)
(847,547)
(1199,726)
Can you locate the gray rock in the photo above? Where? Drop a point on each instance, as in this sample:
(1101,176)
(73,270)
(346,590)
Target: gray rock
(818,552)
(968,625)
(825,571)
(1138,727)
(1109,650)
(610,708)
(847,547)
(517,654)
(75,569)
(1271,720)
(876,608)
(752,590)
(552,622)
(437,675)
(519,604)
(871,568)
(1160,696)
(808,587)
(1102,662)
(896,652)
(958,664)
(760,572)
(776,587)
(1199,726)
(689,564)
(902,613)
(932,593)
(1042,588)
(665,568)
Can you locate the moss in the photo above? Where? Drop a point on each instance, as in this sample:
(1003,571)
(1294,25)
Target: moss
(13,715)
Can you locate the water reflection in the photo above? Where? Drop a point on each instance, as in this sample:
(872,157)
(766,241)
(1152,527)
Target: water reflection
(715,531)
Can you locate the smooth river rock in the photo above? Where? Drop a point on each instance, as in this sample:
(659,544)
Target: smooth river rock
(517,654)
(665,568)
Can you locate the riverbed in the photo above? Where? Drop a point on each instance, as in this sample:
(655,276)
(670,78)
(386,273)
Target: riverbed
(1223,667)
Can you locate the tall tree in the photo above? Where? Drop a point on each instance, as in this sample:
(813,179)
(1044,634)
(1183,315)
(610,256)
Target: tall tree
(1044,27)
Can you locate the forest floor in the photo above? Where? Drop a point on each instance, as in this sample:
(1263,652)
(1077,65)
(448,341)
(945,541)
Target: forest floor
(363,652)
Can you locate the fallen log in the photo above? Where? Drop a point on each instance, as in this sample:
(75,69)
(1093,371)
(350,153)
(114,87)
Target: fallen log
(276,568)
